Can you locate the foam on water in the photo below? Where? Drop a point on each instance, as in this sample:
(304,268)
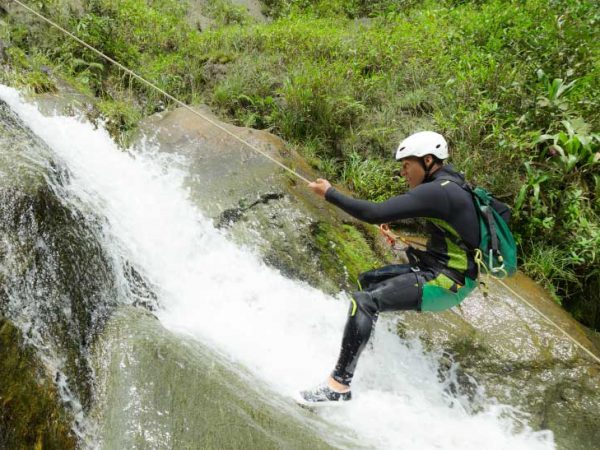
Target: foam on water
(285,333)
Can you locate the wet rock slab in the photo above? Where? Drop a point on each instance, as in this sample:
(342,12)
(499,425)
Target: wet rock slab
(504,346)
(161,391)
(258,203)
(499,343)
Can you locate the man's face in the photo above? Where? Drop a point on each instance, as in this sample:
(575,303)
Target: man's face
(412,171)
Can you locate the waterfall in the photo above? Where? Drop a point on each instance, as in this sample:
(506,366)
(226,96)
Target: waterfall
(283,333)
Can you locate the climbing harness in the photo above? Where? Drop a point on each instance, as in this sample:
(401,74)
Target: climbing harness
(390,237)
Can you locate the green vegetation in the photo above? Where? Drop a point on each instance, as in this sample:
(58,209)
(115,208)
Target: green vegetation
(513,84)
(344,251)
(30,415)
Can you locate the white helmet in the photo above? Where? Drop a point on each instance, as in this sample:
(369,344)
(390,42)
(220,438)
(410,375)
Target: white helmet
(421,144)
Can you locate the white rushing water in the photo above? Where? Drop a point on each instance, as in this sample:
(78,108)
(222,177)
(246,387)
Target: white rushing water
(285,333)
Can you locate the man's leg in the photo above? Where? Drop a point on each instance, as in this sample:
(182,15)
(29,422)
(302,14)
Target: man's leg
(402,292)
(398,288)
(367,280)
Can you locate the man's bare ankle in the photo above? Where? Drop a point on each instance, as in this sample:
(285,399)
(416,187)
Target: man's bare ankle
(337,386)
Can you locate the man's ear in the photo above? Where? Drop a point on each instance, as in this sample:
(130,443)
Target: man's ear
(428,159)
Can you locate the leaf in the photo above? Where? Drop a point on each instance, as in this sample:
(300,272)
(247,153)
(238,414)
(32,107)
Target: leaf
(562,137)
(564,89)
(578,125)
(76,62)
(548,222)
(585,139)
(572,146)
(571,162)
(521,197)
(541,75)
(553,89)
(96,66)
(543,102)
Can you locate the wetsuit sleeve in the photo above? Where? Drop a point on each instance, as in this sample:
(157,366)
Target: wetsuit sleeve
(426,200)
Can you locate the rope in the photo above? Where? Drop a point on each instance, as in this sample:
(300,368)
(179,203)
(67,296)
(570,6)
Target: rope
(248,144)
(166,94)
(179,102)
(547,319)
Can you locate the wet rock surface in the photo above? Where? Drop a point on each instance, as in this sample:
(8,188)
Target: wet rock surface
(260,204)
(31,415)
(56,282)
(160,394)
(500,345)
(58,287)
(506,348)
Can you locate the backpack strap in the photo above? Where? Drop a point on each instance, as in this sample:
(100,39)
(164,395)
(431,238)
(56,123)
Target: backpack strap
(491,222)
(467,187)
(456,179)
(487,216)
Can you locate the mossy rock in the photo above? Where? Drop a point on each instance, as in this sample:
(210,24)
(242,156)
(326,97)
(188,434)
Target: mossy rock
(263,206)
(57,278)
(31,415)
(345,252)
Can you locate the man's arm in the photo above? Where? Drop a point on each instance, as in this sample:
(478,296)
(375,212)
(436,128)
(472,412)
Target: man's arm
(427,200)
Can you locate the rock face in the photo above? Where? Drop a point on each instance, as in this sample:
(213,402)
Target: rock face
(56,287)
(199,13)
(504,346)
(30,411)
(56,280)
(59,290)
(162,394)
(495,343)
(262,205)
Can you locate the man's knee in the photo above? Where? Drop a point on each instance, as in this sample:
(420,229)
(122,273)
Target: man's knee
(365,279)
(363,301)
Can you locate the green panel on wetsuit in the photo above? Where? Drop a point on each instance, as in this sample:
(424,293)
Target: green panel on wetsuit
(457,256)
(436,298)
(444,226)
(442,281)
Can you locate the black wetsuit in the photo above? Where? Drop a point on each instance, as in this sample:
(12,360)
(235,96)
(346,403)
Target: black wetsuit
(447,264)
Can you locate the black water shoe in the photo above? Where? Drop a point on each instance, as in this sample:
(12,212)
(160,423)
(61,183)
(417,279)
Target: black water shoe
(323,394)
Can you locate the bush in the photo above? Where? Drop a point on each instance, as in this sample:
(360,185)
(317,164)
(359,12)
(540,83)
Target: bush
(557,209)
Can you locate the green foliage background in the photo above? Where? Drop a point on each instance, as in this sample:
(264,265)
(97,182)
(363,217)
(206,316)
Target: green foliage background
(513,84)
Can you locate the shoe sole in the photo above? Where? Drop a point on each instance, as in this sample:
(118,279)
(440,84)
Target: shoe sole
(312,406)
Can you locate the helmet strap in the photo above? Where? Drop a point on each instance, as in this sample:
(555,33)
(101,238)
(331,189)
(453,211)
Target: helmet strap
(425,167)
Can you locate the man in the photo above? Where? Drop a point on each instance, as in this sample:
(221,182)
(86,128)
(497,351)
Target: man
(435,279)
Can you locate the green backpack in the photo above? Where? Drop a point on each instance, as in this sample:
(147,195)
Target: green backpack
(497,252)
